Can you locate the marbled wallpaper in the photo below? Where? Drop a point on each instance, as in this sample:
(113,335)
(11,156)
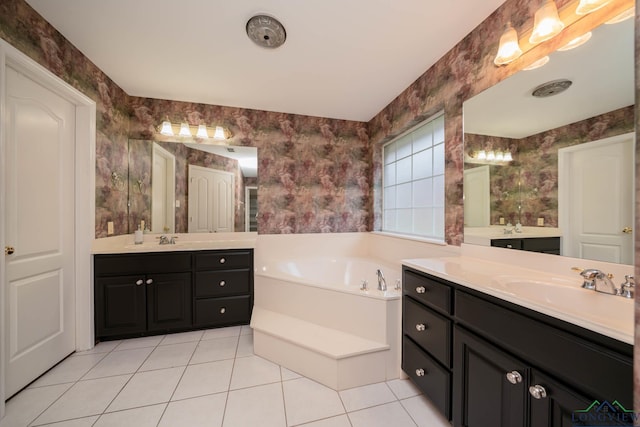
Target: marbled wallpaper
(535,165)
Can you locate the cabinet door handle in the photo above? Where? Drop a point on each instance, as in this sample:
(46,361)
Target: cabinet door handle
(222,260)
(421,327)
(514,377)
(537,391)
(139,282)
(223,310)
(222,283)
(149,281)
(421,289)
(510,246)
(420,372)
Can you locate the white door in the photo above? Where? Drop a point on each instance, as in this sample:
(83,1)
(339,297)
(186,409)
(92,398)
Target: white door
(211,200)
(163,191)
(39,229)
(476,197)
(598,228)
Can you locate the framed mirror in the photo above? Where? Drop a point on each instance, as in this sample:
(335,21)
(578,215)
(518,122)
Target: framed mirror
(560,165)
(189,187)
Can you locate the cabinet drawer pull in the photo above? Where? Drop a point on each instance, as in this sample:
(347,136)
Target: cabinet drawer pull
(222,283)
(149,281)
(222,260)
(514,377)
(537,391)
(510,246)
(421,289)
(420,372)
(139,282)
(421,327)
(223,310)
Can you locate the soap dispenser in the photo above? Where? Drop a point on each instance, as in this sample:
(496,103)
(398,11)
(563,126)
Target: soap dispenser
(138,237)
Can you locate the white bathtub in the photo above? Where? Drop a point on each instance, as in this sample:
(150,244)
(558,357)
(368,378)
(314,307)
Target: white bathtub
(345,274)
(311,316)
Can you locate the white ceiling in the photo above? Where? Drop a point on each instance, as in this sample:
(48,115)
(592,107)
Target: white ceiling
(247,157)
(344,59)
(602,72)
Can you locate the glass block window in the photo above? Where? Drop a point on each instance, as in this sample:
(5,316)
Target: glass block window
(413,181)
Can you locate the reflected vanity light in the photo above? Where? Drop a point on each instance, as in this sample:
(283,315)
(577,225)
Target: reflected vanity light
(491,156)
(537,64)
(578,41)
(201,132)
(629,13)
(588,6)
(509,49)
(547,23)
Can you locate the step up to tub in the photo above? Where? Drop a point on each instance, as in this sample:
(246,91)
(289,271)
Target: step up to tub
(334,358)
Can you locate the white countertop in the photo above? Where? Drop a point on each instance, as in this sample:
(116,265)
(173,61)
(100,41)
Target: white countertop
(484,235)
(184,242)
(558,296)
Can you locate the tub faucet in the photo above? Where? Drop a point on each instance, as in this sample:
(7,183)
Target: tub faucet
(382,283)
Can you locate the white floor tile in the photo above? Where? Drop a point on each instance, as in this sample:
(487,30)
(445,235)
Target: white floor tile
(119,363)
(182,337)
(147,388)
(204,378)
(204,411)
(403,388)
(215,349)
(69,370)
(256,406)
(28,404)
(147,416)
(169,356)
(306,400)
(289,375)
(391,414)
(245,346)
(340,421)
(78,422)
(252,371)
(246,330)
(85,398)
(139,342)
(367,396)
(101,347)
(232,331)
(424,413)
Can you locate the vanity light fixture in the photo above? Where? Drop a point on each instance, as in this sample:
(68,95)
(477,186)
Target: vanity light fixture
(578,41)
(491,156)
(537,64)
(202,132)
(508,157)
(547,23)
(184,130)
(629,13)
(509,48)
(166,128)
(588,6)
(219,133)
(482,155)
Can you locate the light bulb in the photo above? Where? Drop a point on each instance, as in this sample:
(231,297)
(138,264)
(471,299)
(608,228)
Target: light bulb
(167,129)
(499,156)
(202,132)
(508,157)
(491,156)
(482,155)
(547,23)
(219,133)
(509,49)
(184,130)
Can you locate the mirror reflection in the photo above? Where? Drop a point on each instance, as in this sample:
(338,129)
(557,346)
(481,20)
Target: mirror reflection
(556,172)
(190,187)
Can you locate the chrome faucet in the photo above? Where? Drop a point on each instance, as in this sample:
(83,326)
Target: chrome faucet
(598,281)
(382,283)
(164,240)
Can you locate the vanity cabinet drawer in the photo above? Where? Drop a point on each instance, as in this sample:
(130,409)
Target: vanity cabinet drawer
(427,290)
(221,283)
(226,260)
(507,243)
(223,311)
(433,380)
(123,264)
(428,329)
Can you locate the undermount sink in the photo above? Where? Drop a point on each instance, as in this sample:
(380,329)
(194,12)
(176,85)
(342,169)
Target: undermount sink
(568,296)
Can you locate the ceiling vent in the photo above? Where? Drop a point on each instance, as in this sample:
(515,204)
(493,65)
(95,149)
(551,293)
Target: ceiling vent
(551,88)
(266,31)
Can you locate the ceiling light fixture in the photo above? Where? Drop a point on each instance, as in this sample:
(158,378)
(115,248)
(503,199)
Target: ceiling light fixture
(588,6)
(266,31)
(509,49)
(578,41)
(547,23)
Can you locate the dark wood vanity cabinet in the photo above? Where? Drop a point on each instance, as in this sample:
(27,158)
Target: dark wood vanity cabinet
(149,293)
(511,366)
(547,245)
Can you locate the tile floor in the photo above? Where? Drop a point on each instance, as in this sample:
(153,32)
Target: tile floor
(203,378)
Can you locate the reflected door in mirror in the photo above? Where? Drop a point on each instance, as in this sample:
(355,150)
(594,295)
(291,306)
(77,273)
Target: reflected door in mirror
(211,200)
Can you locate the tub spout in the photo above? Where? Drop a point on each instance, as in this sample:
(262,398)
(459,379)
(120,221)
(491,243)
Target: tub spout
(382,283)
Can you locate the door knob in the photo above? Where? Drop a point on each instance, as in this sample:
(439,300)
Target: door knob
(514,377)
(627,230)
(9,250)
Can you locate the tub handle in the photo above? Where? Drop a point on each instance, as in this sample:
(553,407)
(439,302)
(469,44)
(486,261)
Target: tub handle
(421,327)
(222,283)
(420,372)
(223,310)
(421,289)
